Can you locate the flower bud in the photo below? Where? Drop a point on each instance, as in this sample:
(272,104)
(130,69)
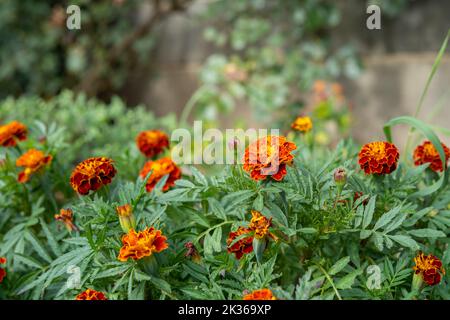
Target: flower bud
(126,217)
(340,177)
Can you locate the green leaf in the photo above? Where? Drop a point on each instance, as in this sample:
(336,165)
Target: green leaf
(405,241)
(368,212)
(427,233)
(386,218)
(339,265)
(347,281)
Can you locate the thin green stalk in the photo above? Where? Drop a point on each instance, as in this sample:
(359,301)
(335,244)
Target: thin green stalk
(330,281)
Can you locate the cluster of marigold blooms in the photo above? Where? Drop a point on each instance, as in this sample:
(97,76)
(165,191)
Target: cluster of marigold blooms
(266,157)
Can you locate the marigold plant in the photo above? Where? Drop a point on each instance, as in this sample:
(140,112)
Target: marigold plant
(152,142)
(33,161)
(379,158)
(159,168)
(90,294)
(429,267)
(268,156)
(11,133)
(427,153)
(302,124)
(137,245)
(92,174)
(262,294)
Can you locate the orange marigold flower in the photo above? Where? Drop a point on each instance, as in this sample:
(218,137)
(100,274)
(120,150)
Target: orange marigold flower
(303,124)
(91,294)
(11,132)
(260,224)
(2,271)
(152,142)
(137,245)
(427,153)
(268,156)
(33,160)
(429,267)
(159,169)
(66,217)
(91,174)
(242,246)
(262,294)
(379,157)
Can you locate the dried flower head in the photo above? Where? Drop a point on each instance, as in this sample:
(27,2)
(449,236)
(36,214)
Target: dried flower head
(160,168)
(261,294)
(241,246)
(2,271)
(429,268)
(379,158)
(91,294)
(11,132)
(152,142)
(66,216)
(137,245)
(427,153)
(91,174)
(303,124)
(192,252)
(268,156)
(33,160)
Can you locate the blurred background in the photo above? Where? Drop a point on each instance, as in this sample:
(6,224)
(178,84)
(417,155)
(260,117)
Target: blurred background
(236,63)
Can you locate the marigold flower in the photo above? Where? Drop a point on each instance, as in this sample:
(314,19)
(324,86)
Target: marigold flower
(152,142)
(427,153)
(379,157)
(260,224)
(262,294)
(126,217)
(2,271)
(303,124)
(137,245)
(159,169)
(11,132)
(429,268)
(33,160)
(242,246)
(66,216)
(91,294)
(91,174)
(268,156)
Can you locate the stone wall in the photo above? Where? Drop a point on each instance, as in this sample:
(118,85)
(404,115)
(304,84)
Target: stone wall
(397,62)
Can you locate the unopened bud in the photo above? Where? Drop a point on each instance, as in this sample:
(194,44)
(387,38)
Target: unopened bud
(340,177)
(126,217)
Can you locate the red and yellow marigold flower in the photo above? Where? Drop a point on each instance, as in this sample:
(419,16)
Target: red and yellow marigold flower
(160,168)
(91,174)
(126,217)
(33,160)
(429,268)
(242,246)
(91,294)
(66,216)
(261,294)
(11,132)
(152,142)
(379,158)
(303,124)
(427,153)
(138,245)
(268,156)
(2,271)
(260,225)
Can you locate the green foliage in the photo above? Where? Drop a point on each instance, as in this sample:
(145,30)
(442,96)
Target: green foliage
(328,242)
